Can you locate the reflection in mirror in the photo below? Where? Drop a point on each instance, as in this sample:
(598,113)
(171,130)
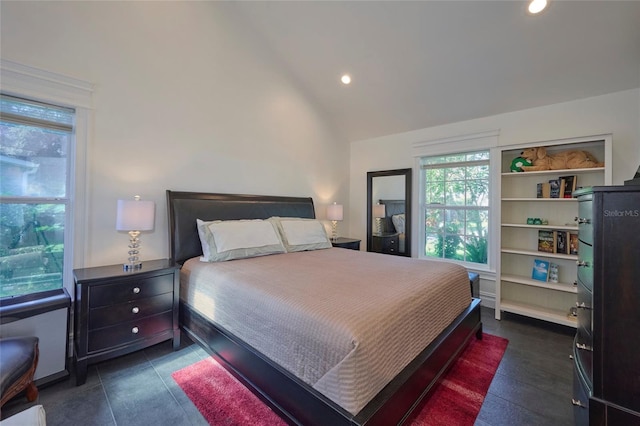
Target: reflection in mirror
(389,212)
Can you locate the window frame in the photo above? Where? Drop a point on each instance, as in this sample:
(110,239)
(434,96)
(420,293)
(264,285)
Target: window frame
(50,199)
(461,208)
(450,146)
(27,82)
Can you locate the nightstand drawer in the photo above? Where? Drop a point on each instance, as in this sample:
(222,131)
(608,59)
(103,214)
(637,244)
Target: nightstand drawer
(129,289)
(391,245)
(122,334)
(385,243)
(110,315)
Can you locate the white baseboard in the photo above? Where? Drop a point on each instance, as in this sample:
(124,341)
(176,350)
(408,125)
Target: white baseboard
(488,300)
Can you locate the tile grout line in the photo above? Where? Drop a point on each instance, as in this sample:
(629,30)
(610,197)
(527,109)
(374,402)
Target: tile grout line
(165,384)
(106,395)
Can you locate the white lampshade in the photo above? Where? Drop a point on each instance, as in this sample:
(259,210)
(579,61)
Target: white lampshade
(378,210)
(334,212)
(135,215)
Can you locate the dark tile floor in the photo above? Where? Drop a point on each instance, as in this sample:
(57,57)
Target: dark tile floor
(532,385)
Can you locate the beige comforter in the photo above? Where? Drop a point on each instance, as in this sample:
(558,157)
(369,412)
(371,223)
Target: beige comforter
(345,322)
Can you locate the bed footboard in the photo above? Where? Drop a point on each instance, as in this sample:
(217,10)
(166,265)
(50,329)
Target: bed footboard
(300,404)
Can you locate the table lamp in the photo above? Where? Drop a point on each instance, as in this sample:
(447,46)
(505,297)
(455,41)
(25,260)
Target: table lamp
(134,216)
(379,212)
(334,214)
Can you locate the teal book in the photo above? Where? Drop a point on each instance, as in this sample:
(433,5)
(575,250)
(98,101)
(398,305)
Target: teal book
(540,270)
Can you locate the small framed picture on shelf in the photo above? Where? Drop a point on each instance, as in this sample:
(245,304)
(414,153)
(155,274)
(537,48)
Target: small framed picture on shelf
(540,270)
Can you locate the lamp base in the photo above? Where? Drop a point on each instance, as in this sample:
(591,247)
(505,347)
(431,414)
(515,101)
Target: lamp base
(132,266)
(334,231)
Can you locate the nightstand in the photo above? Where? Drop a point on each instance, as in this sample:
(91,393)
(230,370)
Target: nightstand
(118,312)
(385,243)
(348,243)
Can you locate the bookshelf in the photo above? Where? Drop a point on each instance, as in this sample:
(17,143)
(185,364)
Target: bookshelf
(516,291)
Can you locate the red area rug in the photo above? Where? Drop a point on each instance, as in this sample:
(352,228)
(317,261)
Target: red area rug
(457,400)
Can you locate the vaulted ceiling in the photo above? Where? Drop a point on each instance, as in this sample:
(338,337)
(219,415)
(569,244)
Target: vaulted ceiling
(419,64)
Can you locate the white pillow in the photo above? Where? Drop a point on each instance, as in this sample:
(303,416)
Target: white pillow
(398,222)
(301,234)
(202,233)
(238,239)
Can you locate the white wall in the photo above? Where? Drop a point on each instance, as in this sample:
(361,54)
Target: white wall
(615,113)
(186,98)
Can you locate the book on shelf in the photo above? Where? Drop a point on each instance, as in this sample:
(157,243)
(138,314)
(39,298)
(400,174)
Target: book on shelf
(573,243)
(553,272)
(540,270)
(570,185)
(546,241)
(543,190)
(556,188)
(562,242)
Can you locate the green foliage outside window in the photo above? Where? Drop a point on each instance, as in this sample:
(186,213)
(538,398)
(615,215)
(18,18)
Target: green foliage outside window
(34,143)
(457,206)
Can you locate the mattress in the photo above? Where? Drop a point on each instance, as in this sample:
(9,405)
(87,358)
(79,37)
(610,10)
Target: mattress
(345,322)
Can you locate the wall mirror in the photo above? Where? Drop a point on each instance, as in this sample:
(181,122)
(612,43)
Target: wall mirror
(389,212)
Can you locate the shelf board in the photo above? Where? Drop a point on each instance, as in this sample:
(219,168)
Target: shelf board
(539,253)
(524,225)
(554,200)
(555,172)
(538,312)
(566,287)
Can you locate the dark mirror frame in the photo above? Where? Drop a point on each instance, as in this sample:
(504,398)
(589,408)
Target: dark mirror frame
(407,198)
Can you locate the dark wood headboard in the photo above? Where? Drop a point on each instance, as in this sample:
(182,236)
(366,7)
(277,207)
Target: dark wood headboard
(185,207)
(391,207)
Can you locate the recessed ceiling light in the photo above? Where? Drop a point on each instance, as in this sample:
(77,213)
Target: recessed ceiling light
(346,79)
(537,6)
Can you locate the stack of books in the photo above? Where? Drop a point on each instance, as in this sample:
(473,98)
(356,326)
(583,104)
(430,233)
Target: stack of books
(561,242)
(563,187)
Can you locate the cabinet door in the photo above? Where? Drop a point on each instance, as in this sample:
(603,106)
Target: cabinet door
(617,295)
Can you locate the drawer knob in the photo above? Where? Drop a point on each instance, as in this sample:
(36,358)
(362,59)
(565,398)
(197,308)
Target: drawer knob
(136,290)
(582,220)
(135,330)
(582,263)
(583,347)
(582,306)
(577,403)
(135,310)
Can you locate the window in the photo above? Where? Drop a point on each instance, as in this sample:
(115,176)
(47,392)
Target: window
(35,171)
(455,204)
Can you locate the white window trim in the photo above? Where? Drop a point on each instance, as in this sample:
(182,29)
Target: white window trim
(454,145)
(29,82)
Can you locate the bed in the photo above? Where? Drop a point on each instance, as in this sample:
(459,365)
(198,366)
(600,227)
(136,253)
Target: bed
(393,221)
(295,397)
